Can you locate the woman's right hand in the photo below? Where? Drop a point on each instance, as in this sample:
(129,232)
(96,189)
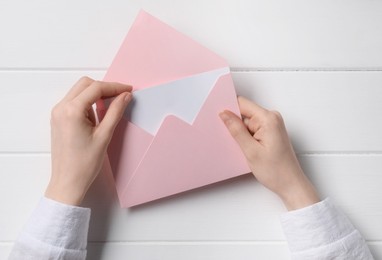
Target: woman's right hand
(264,141)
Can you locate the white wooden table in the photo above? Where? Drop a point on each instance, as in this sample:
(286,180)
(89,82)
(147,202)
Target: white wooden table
(318,62)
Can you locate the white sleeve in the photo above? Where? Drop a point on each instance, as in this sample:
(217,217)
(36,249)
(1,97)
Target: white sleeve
(54,231)
(322,231)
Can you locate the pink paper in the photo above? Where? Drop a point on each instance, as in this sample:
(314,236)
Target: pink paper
(180,156)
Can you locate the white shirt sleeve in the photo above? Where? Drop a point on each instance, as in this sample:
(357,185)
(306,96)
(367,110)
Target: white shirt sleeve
(54,231)
(322,231)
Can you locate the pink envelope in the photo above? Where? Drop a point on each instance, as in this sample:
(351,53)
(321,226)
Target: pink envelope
(171,138)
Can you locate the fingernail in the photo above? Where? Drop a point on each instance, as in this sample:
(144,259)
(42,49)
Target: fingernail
(224,116)
(128,97)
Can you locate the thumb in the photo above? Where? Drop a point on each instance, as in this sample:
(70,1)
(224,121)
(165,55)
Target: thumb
(240,133)
(113,116)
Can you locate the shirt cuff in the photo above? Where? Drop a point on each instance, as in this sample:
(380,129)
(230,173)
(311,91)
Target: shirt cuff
(59,225)
(314,226)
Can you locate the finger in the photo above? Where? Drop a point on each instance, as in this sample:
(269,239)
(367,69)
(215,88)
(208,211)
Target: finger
(91,116)
(78,87)
(113,116)
(100,109)
(99,89)
(250,109)
(253,124)
(240,133)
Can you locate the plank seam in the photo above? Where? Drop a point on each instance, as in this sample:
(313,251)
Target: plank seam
(53,69)
(340,153)
(317,153)
(305,69)
(281,242)
(233,69)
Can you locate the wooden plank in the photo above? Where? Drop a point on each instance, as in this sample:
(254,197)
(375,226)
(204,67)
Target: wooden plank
(235,210)
(189,251)
(324,111)
(174,251)
(249,33)
(331,111)
(24,178)
(26,103)
(171,251)
(5,250)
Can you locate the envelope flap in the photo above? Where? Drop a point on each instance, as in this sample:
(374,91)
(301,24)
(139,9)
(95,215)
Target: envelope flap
(154,53)
(190,159)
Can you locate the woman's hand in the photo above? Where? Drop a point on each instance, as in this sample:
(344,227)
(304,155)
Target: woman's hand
(78,143)
(265,143)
